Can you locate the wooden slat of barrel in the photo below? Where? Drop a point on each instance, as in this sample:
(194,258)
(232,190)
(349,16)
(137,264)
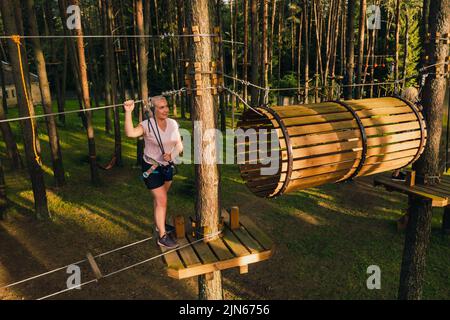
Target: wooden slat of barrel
(392,128)
(337,108)
(325,149)
(323,127)
(314,181)
(326,118)
(393,147)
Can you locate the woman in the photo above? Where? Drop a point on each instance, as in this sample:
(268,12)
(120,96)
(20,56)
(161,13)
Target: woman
(162,146)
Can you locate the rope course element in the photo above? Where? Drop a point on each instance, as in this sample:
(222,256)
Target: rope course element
(131,266)
(75,263)
(160,36)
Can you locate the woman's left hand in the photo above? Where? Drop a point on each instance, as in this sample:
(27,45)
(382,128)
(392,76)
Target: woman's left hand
(167,157)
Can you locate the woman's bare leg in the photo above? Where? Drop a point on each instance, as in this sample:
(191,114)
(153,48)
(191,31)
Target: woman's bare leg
(160,207)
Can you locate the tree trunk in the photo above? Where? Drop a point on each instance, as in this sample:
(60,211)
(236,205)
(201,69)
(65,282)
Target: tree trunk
(245,57)
(3,197)
(397,42)
(143,66)
(8,136)
(55,148)
(361,34)
(350,64)
(95,178)
(159,52)
(113,79)
(418,231)
(255,51)
(60,89)
(207,173)
(222,106)
(26,109)
(265,53)
(306,69)
(405,58)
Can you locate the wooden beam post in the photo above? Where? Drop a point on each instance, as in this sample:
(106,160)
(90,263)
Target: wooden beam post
(179,227)
(234,218)
(411,179)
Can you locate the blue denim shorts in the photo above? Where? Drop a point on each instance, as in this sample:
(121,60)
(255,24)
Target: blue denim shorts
(161,175)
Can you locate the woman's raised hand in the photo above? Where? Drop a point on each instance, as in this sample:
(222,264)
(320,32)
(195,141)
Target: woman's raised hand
(129,105)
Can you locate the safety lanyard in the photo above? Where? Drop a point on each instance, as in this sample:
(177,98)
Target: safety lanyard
(157,136)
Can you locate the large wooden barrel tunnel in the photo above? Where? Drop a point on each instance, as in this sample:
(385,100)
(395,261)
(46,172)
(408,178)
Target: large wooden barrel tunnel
(330,142)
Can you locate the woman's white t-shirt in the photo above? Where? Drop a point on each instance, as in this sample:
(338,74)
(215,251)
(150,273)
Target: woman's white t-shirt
(170,138)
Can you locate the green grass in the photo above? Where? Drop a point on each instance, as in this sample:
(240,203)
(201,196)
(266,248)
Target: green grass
(325,237)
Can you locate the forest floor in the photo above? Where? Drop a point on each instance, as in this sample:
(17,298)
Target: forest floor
(325,237)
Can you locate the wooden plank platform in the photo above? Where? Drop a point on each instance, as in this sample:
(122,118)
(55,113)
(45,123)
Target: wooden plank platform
(238,247)
(439,195)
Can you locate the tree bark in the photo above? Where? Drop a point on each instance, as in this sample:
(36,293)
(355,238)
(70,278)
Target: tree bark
(245,57)
(95,178)
(427,167)
(60,87)
(204,111)
(55,148)
(397,42)
(350,63)
(265,52)
(405,57)
(143,66)
(361,34)
(113,79)
(5,128)
(25,110)
(255,51)
(306,69)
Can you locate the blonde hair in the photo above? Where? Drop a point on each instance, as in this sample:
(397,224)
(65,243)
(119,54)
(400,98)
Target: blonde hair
(411,94)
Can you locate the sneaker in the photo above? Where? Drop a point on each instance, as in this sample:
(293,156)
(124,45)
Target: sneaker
(169,229)
(167,242)
(400,177)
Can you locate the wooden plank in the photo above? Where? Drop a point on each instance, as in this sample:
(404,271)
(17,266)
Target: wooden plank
(314,181)
(172,259)
(221,265)
(384,166)
(323,127)
(256,233)
(388,120)
(383,111)
(220,249)
(392,128)
(243,237)
(203,250)
(326,118)
(187,254)
(436,200)
(308,172)
(234,244)
(393,148)
(399,137)
(326,148)
(327,137)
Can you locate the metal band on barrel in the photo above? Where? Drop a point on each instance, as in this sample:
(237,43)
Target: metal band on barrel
(422,130)
(363,136)
(289,150)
